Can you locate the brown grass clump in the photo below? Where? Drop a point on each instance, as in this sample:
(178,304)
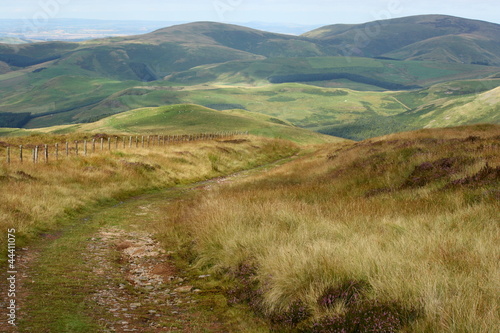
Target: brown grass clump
(392,234)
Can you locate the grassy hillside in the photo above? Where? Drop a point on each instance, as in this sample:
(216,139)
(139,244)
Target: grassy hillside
(443,105)
(188,119)
(394,234)
(300,104)
(314,107)
(366,73)
(340,112)
(426,37)
(152,56)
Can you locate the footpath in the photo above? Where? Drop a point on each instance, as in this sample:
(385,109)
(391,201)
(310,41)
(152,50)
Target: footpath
(105,272)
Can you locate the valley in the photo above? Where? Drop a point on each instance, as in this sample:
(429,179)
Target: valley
(224,67)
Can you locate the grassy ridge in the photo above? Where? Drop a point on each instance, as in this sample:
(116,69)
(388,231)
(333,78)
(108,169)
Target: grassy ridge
(187,119)
(396,233)
(423,37)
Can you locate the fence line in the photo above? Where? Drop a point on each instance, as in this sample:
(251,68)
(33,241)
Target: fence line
(142,141)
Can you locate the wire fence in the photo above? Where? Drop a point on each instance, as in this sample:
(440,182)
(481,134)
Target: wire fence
(44,153)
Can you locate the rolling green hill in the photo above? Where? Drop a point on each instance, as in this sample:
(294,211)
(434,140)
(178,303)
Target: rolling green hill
(192,119)
(301,104)
(348,112)
(424,37)
(154,55)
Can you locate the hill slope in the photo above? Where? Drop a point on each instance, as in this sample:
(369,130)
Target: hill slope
(424,37)
(154,55)
(357,237)
(444,105)
(195,119)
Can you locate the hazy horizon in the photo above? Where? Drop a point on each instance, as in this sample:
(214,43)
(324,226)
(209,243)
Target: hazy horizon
(316,12)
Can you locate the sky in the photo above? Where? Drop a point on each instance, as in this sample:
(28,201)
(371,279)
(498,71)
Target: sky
(302,12)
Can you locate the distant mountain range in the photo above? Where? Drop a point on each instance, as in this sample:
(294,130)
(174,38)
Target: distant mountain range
(60,82)
(177,48)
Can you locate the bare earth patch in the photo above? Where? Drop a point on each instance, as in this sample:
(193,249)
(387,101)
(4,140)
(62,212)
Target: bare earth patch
(142,290)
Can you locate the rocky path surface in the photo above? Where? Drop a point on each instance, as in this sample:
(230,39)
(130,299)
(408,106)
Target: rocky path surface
(143,290)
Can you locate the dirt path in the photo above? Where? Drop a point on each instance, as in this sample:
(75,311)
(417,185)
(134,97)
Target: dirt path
(143,290)
(404,105)
(105,273)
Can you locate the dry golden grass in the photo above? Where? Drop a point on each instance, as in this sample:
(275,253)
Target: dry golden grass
(34,197)
(411,218)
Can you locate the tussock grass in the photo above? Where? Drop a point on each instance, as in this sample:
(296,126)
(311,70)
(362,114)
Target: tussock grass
(421,244)
(36,198)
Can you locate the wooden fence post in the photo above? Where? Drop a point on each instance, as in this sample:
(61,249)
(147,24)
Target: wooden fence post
(67,148)
(109,143)
(102,144)
(46,153)
(21,153)
(130,142)
(85,147)
(8,155)
(116,143)
(76,148)
(93,146)
(36,154)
